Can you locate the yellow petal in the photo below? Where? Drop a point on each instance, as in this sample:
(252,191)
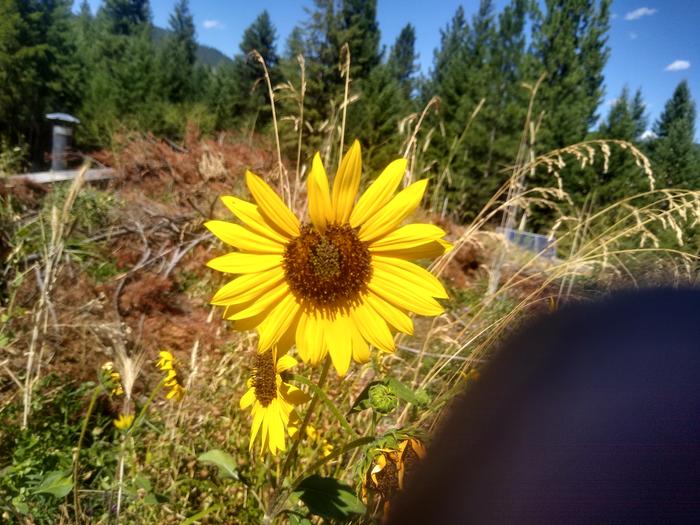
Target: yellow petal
(278,321)
(310,338)
(339,341)
(257,306)
(293,395)
(258,418)
(248,399)
(379,193)
(404,295)
(408,236)
(320,209)
(271,206)
(346,183)
(247,287)
(411,274)
(391,215)
(242,238)
(360,349)
(248,214)
(372,327)
(427,250)
(237,262)
(276,428)
(284,363)
(395,317)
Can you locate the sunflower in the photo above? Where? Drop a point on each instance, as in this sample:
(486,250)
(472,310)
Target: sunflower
(337,283)
(168,364)
(272,401)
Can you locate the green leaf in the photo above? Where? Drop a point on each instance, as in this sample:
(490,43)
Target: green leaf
(223,460)
(402,391)
(329,498)
(57,483)
(19,504)
(362,401)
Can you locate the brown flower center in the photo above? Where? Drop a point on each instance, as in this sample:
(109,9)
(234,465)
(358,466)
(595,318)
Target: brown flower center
(329,269)
(265,378)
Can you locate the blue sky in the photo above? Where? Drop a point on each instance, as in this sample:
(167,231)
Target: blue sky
(654,43)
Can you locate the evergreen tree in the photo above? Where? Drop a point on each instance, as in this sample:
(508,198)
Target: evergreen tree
(39,70)
(178,55)
(126,17)
(570,47)
(626,121)
(675,156)
(240,88)
(402,59)
(358,27)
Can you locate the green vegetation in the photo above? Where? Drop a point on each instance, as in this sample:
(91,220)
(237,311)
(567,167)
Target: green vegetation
(504,126)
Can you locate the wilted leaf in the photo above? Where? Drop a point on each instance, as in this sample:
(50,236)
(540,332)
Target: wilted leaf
(223,460)
(329,498)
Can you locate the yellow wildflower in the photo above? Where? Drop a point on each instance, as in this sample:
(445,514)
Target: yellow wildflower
(124,421)
(272,401)
(168,364)
(339,282)
(112,379)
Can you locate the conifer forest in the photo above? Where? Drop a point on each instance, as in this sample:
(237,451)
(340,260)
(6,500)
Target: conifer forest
(250,287)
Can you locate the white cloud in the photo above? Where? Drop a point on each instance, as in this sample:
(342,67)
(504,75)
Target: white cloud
(639,13)
(632,35)
(678,65)
(212,24)
(648,135)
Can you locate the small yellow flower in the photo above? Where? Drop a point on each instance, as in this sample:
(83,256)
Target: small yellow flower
(168,364)
(272,401)
(112,379)
(124,421)
(314,436)
(340,281)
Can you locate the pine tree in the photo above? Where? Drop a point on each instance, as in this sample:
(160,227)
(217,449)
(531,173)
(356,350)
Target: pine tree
(402,59)
(359,29)
(126,17)
(675,156)
(39,70)
(626,121)
(240,88)
(570,47)
(178,55)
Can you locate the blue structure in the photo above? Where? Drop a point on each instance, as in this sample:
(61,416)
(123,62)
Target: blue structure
(533,242)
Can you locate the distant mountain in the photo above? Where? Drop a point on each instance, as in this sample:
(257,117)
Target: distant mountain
(205,55)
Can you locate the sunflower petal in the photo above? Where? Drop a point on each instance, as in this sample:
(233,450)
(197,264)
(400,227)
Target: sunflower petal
(408,236)
(249,214)
(310,338)
(284,363)
(271,205)
(391,215)
(320,209)
(427,250)
(237,262)
(360,349)
(278,321)
(261,304)
(340,343)
(411,274)
(392,315)
(247,287)
(242,238)
(379,193)
(404,295)
(346,183)
(372,327)
(248,399)
(258,417)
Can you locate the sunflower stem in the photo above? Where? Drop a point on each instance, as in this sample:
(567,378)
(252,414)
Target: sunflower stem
(276,506)
(327,401)
(291,457)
